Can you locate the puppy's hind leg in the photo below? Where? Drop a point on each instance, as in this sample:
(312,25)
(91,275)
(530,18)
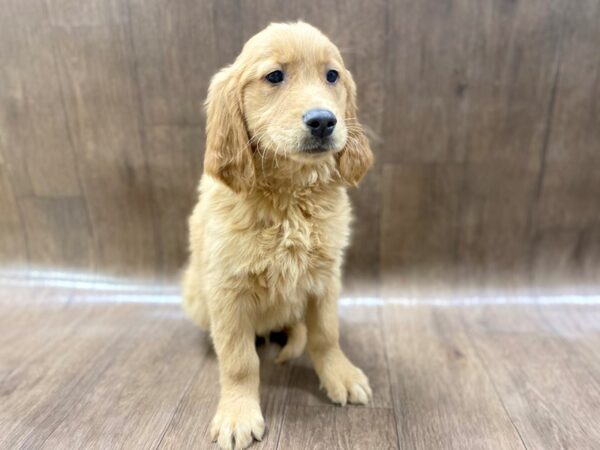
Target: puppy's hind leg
(194,303)
(296,342)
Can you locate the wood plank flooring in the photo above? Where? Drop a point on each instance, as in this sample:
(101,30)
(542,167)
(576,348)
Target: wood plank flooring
(121,367)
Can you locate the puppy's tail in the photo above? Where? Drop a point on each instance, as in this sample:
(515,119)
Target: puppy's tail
(295,345)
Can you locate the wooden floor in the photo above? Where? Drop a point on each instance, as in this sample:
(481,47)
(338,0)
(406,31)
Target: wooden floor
(120,367)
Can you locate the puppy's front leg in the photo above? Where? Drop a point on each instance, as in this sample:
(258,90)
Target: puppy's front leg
(238,418)
(342,380)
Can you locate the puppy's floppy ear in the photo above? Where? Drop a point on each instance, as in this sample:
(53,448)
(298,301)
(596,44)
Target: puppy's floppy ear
(228,155)
(356,157)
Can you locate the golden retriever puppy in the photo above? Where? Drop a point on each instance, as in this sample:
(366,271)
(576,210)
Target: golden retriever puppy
(268,233)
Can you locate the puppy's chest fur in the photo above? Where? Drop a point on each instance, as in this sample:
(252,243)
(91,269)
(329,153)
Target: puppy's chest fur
(299,237)
(282,246)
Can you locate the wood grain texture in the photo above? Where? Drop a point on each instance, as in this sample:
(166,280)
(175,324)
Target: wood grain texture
(36,138)
(329,427)
(540,381)
(483,117)
(575,134)
(119,365)
(13,246)
(438,379)
(421,224)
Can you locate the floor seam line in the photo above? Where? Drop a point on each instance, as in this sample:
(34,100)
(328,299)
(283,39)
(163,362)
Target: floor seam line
(387,363)
(178,406)
(285,407)
(487,373)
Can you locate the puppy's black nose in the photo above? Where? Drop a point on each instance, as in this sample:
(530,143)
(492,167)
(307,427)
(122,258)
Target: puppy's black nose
(320,122)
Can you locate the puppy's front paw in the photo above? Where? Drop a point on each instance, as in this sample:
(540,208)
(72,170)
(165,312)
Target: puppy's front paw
(344,382)
(236,423)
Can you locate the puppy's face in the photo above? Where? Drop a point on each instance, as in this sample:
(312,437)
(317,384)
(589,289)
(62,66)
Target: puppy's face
(288,93)
(296,91)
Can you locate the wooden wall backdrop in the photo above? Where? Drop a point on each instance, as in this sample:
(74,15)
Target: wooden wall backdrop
(484,115)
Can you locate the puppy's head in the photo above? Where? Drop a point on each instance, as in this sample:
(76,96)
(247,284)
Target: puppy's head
(287,94)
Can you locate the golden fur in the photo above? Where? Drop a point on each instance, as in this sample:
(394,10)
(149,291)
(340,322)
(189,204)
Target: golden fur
(268,233)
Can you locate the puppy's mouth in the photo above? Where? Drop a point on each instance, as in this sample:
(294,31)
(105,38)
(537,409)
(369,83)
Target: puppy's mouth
(316,146)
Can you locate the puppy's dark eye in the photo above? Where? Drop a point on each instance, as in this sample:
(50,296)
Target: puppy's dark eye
(275,77)
(332,76)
